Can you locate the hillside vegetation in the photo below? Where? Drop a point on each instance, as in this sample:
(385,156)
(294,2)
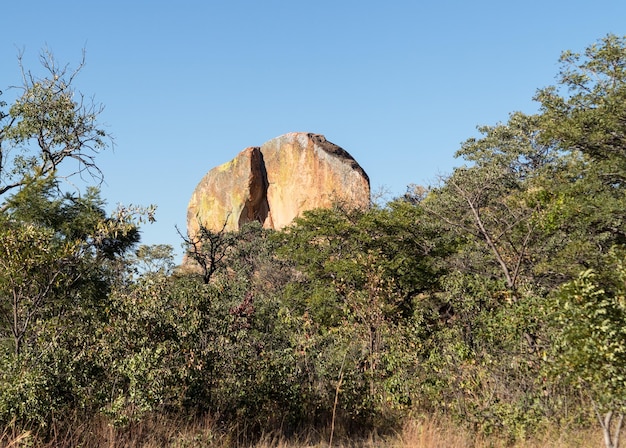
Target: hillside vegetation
(494,302)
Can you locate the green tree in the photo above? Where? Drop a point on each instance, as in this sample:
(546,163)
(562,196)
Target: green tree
(540,199)
(585,116)
(509,217)
(362,303)
(590,318)
(586,111)
(49,124)
(61,255)
(61,251)
(493,204)
(50,245)
(34,267)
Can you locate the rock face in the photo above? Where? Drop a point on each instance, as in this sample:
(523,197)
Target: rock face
(277,182)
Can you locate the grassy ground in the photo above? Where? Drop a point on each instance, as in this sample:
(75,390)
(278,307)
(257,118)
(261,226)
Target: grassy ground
(158,433)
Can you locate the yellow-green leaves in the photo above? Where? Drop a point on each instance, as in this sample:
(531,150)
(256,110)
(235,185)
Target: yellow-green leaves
(590,318)
(49,125)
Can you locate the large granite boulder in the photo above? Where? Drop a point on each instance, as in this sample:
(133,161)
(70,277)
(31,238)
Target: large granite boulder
(277,182)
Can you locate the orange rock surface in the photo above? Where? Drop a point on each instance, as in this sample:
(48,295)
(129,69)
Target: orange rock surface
(277,182)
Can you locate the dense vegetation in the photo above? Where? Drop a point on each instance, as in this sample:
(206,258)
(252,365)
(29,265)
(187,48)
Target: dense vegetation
(496,299)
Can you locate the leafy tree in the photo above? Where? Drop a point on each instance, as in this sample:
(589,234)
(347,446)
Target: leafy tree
(540,200)
(347,248)
(49,124)
(584,114)
(493,205)
(361,302)
(510,220)
(60,259)
(154,260)
(586,111)
(590,317)
(49,246)
(61,252)
(34,267)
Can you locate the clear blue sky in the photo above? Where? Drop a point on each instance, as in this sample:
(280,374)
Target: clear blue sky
(398,84)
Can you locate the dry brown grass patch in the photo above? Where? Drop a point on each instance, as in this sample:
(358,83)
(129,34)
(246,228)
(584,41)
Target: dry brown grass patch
(160,432)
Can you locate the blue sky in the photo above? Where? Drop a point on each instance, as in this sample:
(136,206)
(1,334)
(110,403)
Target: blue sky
(398,84)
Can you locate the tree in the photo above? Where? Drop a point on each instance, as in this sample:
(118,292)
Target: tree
(590,349)
(61,251)
(586,111)
(33,267)
(585,116)
(154,260)
(386,249)
(61,256)
(47,125)
(362,300)
(513,222)
(50,246)
(493,205)
(208,248)
(540,200)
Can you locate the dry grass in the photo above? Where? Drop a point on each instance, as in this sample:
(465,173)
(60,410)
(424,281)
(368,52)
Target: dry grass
(159,432)
(431,433)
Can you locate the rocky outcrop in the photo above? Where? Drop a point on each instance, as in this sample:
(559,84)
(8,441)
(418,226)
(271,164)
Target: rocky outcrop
(277,182)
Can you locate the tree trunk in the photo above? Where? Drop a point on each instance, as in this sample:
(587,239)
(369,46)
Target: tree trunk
(610,431)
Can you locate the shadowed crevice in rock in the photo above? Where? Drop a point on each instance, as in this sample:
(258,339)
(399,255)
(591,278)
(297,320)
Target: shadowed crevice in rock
(256,207)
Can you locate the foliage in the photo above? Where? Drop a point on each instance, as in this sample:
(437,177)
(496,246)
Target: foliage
(590,351)
(56,272)
(539,201)
(591,316)
(60,252)
(49,124)
(495,206)
(586,111)
(360,300)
